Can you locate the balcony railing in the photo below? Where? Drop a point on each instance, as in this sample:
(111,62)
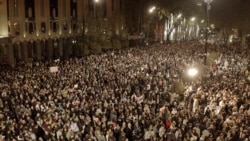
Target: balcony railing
(53,26)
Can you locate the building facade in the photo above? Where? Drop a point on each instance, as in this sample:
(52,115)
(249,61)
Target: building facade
(48,29)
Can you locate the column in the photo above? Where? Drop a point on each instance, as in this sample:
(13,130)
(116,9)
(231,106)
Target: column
(60,45)
(50,49)
(39,50)
(25,56)
(19,52)
(31,50)
(10,54)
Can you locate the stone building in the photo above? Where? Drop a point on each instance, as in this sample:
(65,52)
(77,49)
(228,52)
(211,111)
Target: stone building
(48,29)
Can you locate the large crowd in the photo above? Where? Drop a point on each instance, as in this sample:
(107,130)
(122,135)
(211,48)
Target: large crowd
(127,95)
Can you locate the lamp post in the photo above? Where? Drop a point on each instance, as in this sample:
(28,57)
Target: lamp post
(74,48)
(150,11)
(192,28)
(96,17)
(95,9)
(208,2)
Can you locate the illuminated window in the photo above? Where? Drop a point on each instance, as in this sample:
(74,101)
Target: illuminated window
(30,27)
(43,27)
(54,23)
(16,29)
(30,16)
(65,26)
(54,26)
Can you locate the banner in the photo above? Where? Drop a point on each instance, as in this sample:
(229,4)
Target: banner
(54,69)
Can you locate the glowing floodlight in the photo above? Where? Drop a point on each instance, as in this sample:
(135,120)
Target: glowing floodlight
(192,72)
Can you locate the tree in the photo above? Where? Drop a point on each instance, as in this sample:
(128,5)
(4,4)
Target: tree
(171,9)
(221,17)
(132,14)
(229,14)
(244,18)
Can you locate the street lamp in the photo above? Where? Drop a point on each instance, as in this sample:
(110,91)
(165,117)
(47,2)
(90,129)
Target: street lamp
(192,33)
(208,2)
(96,18)
(151,11)
(192,19)
(95,8)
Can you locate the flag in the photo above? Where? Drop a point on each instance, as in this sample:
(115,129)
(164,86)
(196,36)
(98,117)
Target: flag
(139,99)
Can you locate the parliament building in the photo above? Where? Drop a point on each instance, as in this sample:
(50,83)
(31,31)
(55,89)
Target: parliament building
(49,29)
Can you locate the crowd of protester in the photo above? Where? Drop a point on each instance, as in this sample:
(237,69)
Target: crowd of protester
(127,95)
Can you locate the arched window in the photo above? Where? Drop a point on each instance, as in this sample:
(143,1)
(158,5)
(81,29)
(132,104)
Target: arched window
(43,27)
(16,28)
(73,14)
(54,23)
(30,16)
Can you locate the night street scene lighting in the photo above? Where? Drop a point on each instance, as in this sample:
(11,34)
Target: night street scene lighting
(208,2)
(192,72)
(124,70)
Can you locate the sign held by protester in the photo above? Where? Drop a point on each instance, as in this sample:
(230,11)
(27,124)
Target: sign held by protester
(53,69)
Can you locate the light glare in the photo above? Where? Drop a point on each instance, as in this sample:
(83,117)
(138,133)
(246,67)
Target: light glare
(151,10)
(193,19)
(192,72)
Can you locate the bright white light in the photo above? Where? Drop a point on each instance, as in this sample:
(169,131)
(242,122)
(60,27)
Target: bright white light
(192,19)
(192,72)
(96,0)
(179,16)
(152,9)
